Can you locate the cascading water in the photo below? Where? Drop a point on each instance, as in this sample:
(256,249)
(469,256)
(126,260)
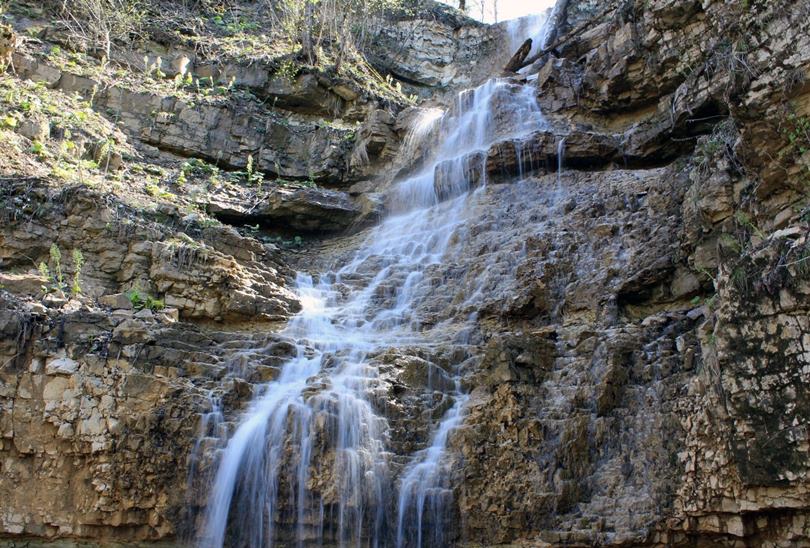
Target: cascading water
(560,160)
(530,26)
(423,485)
(310,460)
(538,27)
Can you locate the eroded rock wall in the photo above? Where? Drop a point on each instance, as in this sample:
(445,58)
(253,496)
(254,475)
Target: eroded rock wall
(697,351)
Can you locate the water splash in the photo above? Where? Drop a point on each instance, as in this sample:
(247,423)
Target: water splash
(421,126)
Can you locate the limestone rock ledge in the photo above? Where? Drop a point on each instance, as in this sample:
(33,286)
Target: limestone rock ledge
(99,418)
(221,275)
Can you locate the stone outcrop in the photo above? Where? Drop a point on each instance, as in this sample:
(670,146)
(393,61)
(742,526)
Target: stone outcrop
(724,443)
(435,48)
(222,275)
(222,132)
(101,408)
(295,208)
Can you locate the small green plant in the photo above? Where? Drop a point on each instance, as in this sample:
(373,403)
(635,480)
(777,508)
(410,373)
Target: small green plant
(156,192)
(135,299)
(63,171)
(224,86)
(154,304)
(708,302)
(236,25)
(249,167)
(30,106)
(152,189)
(252,230)
(106,151)
(156,70)
(54,274)
(78,263)
(56,258)
(205,81)
(708,274)
(45,272)
(739,278)
(730,242)
(207,223)
(288,70)
(183,79)
(253,176)
(745,221)
(153,70)
(38,148)
(294,242)
(798,132)
(141,301)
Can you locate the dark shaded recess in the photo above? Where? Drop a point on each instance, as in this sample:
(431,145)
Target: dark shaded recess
(273,227)
(644,288)
(681,140)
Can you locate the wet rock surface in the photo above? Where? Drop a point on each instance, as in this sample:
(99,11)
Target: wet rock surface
(102,409)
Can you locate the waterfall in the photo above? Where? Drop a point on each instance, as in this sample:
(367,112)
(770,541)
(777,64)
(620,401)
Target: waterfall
(310,459)
(423,484)
(538,26)
(560,160)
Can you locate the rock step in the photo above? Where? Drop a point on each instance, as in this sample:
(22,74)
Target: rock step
(220,132)
(542,151)
(292,208)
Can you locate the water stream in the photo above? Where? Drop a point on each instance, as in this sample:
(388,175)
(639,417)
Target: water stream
(310,460)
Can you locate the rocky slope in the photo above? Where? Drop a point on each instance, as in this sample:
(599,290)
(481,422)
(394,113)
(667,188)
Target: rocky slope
(639,364)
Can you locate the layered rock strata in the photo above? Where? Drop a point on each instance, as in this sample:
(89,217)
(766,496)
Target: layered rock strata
(638,368)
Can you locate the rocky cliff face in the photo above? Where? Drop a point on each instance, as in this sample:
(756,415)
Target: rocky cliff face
(640,356)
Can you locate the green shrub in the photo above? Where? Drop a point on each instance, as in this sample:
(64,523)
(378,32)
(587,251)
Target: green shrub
(144,301)
(154,304)
(135,299)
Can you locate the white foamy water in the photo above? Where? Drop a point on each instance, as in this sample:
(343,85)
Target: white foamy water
(538,27)
(424,493)
(530,26)
(320,419)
